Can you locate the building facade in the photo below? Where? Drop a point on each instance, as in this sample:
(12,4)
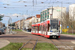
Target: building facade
(28,22)
(53,12)
(17,24)
(72,12)
(37,18)
(1,24)
(22,24)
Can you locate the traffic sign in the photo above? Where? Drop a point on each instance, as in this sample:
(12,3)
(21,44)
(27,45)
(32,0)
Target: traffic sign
(67,26)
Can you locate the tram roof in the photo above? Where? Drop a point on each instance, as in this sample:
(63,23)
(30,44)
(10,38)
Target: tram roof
(40,23)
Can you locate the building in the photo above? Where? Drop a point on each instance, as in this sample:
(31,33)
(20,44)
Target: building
(1,24)
(17,24)
(22,23)
(28,22)
(37,18)
(72,12)
(52,12)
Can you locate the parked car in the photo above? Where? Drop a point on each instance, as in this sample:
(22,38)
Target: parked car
(2,31)
(12,27)
(4,28)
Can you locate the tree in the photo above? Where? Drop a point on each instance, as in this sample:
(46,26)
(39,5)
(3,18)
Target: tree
(1,18)
(13,24)
(65,20)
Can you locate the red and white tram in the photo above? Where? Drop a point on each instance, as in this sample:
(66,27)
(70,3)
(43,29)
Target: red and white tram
(49,28)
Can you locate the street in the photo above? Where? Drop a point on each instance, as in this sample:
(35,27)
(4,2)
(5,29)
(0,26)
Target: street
(62,43)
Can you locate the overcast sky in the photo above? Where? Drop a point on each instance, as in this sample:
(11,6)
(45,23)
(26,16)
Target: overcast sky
(17,8)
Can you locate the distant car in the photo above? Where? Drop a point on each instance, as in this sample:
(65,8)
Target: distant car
(2,31)
(13,28)
(4,28)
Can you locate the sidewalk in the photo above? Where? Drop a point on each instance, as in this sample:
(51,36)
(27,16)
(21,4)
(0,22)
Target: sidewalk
(3,43)
(68,35)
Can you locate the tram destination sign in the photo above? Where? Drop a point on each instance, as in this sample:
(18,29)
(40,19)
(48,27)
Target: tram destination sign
(54,21)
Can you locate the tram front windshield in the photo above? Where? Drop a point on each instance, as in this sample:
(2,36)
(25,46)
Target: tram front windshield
(54,26)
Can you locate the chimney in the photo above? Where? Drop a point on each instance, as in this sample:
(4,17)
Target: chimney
(38,15)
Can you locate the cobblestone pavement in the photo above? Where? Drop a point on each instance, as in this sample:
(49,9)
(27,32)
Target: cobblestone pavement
(65,42)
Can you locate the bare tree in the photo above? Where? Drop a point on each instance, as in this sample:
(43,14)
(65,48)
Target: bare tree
(65,20)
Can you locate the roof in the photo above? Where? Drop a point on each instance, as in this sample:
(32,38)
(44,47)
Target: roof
(29,18)
(16,21)
(38,16)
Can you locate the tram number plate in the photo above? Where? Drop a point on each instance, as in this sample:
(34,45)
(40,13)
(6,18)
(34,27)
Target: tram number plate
(54,36)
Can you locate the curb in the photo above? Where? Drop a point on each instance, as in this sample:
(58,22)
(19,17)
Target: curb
(68,35)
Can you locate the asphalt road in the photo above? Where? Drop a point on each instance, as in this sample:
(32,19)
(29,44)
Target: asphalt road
(66,42)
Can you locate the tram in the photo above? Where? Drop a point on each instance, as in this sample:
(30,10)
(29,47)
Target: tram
(49,28)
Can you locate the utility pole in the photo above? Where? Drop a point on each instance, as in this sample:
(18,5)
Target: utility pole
(61,19)
(51,15)
(36,2)
(33,2)
(52,11)
(72,20)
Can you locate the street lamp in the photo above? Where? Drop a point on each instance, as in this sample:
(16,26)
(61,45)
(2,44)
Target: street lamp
(9,22)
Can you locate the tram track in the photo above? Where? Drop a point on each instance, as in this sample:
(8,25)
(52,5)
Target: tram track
(30,41)
(60,45)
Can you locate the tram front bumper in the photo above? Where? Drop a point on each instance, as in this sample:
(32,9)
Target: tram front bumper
(54,36)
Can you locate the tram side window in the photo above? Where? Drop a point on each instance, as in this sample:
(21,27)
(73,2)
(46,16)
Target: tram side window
(34,28)
(43,28)
(39,28)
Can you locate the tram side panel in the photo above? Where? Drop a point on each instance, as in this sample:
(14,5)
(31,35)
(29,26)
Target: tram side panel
(47,30)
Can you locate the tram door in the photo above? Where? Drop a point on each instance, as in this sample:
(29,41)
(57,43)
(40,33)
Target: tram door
(46,28)
(33,29)
(37,29)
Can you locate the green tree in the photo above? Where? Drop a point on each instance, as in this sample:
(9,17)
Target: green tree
(13,24)
(1,18)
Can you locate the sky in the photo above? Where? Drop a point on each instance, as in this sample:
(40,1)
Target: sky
(26,8)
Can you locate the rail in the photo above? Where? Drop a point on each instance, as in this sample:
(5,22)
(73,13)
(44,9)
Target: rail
(29,42)
(35,45)
(57,44)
